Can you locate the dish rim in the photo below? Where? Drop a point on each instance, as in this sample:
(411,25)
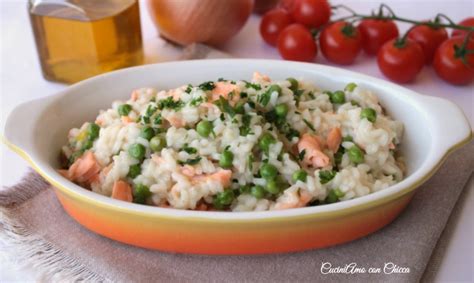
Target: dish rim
(374,199)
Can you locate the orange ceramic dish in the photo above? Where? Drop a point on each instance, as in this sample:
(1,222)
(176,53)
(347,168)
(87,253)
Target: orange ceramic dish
(429,137)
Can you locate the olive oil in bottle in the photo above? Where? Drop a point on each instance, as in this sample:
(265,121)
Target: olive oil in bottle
(77,39)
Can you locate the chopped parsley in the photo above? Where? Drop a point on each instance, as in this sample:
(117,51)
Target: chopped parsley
(207,86)
(243,95)
(292,133)
(189,88)
(196,101)
(338,155)
(347,139)
(265,97)
(271,116)
(297,95)
(280,157)
(150,110)
(224,106)
(326,175)
(158,120)
(188,149)
(192,161)
(311,95)
(309,125)
(281,124)
(170,103)
(252,85)
(146,119)
(301,155)
(355,103)
(245,128)
(250,162)
(239,107)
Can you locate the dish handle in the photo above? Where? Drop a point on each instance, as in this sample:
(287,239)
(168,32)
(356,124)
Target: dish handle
(19,128)
(448,123)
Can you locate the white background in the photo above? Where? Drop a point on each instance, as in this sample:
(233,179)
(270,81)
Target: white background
(21,80)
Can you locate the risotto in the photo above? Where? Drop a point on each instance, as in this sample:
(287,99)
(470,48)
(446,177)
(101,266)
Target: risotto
(238,146)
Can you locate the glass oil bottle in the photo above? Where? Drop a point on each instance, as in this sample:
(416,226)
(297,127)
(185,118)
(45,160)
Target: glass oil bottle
(78,39)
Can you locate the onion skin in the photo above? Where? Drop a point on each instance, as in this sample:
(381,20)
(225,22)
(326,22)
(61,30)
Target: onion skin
(263,6)
(211,22)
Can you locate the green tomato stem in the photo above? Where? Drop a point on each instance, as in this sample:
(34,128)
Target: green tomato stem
(393,17)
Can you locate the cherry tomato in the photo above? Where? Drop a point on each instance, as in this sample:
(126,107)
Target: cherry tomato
(340,43)
(286,4)
(429,39)
(311,13)
(468,22)
(375,33)
(273,22)
(296,43)
(449,65)
(400,62)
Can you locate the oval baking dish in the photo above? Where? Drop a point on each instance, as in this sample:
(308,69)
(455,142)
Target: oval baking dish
(36,130)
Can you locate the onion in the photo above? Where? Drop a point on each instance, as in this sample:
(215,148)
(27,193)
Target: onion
(263,6)
(205,21)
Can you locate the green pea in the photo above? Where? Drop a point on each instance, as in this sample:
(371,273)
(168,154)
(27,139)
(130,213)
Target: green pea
(355,154)
(134,171)
(124,109)
(331,197)
(226,197)
(93,131)
(216,202)
(272,187)
(223,199)
(268,171)
(350,87)
(338,97)
(294,84)
(140,193)
(281,110)
(137,151)
(326,175)
(204,128)
(257,191)
(157,143)
(147,133)
(226,159)
(265,141)
(334,196)
(299,175)
(339,193)
(369,114)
